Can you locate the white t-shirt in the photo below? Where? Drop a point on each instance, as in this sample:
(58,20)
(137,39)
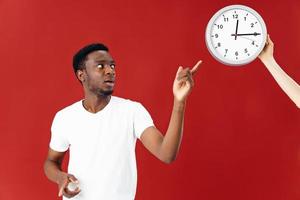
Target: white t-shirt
(102,147)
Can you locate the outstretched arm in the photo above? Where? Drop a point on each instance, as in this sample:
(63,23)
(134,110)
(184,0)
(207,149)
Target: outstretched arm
(287,84)
(166,147)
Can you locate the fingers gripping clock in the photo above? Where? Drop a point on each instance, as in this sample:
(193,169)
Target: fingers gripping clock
(235,35)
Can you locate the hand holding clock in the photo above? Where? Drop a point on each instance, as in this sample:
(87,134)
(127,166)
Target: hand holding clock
(267,53)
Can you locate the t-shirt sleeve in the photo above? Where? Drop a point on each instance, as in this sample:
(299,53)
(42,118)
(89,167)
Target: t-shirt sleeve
(59,141)
(141,120)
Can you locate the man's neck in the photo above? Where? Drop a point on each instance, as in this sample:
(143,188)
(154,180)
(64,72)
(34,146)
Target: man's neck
(95,104)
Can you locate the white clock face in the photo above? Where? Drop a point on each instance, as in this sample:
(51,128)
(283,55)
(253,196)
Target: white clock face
(236,35)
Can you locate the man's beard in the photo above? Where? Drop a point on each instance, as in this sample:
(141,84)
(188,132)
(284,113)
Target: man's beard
(103,93)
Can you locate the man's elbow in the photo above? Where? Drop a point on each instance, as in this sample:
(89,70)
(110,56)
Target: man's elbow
(46,167)
(169,160)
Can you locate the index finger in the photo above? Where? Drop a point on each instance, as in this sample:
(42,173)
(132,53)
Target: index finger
(196,67)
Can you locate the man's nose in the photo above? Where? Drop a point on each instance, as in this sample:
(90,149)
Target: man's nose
(109,70)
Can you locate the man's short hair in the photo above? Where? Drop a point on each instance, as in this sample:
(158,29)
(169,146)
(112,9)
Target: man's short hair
(80,57)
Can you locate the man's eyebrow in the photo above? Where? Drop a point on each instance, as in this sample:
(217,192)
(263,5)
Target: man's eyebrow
(111,61)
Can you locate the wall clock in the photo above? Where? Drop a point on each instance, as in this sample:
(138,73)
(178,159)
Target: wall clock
(235,35)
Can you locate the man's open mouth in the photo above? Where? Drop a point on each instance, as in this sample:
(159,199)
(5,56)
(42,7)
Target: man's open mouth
(110,82)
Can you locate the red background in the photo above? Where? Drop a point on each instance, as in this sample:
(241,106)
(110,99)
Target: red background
(241,138)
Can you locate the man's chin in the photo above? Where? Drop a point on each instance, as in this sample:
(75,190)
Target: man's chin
(106,92)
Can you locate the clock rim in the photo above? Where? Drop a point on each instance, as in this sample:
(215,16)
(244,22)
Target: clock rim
(211,48)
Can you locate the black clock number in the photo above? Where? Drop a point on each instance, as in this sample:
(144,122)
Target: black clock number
(220,26)
(236,54)
(226,50)
(245,18)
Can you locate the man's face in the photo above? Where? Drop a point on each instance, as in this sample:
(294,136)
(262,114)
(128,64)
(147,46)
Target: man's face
(99,73)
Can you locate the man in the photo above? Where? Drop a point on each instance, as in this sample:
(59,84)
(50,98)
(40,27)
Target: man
(287,84)
(101,131)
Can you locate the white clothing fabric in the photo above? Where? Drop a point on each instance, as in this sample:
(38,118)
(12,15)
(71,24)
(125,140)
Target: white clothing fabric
(102,147)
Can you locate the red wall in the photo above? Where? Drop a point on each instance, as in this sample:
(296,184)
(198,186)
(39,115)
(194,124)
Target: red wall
(241,139)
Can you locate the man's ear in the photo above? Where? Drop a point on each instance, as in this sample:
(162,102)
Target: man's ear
(80,75)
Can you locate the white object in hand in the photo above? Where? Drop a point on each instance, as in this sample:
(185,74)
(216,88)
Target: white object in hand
(73,186)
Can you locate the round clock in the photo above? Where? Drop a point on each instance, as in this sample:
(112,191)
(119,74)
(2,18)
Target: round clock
(235,35)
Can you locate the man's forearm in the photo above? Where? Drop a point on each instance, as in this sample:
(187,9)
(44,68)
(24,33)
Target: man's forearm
(172,139)
(288,85)
(52,170)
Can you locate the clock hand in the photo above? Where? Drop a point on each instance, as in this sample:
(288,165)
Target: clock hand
(236,29)
(249,39)
(241,34)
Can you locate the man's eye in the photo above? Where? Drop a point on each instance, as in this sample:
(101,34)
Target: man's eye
(100,66)
(113,66)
